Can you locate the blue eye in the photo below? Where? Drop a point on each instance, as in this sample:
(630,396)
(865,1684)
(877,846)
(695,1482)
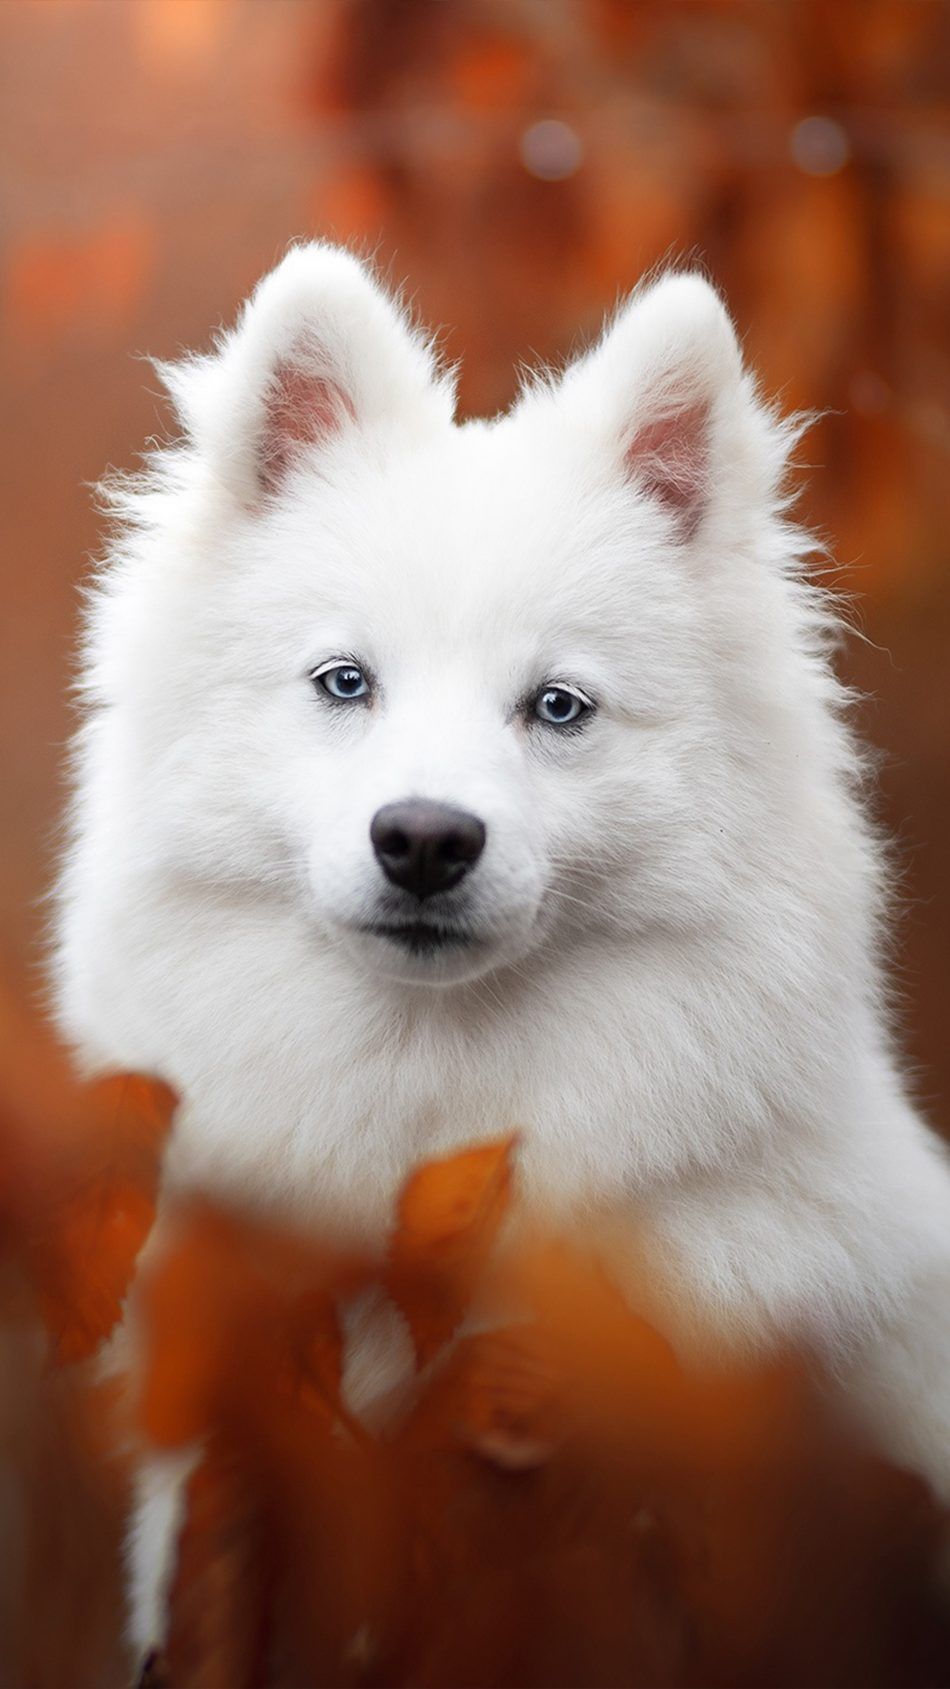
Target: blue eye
(344,682)
(560,706)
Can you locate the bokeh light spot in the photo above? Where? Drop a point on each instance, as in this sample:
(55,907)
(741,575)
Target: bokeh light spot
(551,150)
(819,146)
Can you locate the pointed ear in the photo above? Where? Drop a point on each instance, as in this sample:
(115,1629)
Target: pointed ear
(319,350)
(656,389)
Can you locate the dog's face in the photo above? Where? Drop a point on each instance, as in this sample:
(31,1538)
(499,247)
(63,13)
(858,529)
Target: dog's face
(450,689)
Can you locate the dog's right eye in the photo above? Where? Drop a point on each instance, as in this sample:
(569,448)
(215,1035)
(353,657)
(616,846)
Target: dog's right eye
(561,706)
(345,683)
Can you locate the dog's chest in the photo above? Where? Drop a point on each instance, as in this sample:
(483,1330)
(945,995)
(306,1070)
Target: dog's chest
(328,1135)
(306,1089)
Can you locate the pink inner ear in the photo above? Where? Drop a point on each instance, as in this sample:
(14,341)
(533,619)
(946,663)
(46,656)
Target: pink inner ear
(303,408)
(670,459)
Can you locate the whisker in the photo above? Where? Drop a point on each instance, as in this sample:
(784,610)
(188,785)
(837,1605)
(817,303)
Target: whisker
(482,991)
(588,907)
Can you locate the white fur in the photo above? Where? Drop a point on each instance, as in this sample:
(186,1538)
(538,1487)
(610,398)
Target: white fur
(678,994)
(157,1519)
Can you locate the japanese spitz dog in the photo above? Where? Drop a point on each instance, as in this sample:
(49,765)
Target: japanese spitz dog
(440,779)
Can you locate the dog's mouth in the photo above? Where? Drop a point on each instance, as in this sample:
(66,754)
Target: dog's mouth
(422,938)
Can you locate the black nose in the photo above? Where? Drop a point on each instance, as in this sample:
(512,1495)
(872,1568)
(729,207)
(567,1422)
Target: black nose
(425,847)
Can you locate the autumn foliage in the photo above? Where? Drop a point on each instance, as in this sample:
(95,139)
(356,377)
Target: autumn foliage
(543,1496)
(535,1492)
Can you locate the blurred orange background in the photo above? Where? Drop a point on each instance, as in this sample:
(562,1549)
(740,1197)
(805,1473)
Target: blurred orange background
(518,163)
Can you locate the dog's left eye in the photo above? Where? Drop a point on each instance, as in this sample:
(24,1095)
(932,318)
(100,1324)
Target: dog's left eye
(560,706)
(344,682)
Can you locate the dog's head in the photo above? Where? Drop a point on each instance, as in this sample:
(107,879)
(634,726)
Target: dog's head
(454,690)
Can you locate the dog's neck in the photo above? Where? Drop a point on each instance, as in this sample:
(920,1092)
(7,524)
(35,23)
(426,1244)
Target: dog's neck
(311,1084)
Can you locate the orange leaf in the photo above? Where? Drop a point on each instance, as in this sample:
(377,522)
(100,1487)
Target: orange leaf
(448,1216)
(510,1411)
(216,1603)
(614,1369)
(459,1198)
(187,1305)
(317,1349)
(233,1311)
(90,1213)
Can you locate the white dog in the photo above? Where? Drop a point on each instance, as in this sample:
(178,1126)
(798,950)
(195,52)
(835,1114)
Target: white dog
(437,780)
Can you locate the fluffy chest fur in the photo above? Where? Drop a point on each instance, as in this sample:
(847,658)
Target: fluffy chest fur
(622,1072)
